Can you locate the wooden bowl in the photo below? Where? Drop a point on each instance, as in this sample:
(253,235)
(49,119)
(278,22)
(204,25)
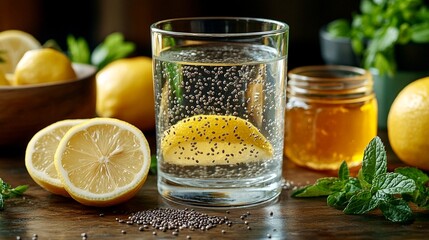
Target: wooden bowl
(24,110)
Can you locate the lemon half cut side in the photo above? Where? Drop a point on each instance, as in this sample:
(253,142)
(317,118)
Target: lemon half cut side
(39,155)
(209,140)
(103,161)
(13,45)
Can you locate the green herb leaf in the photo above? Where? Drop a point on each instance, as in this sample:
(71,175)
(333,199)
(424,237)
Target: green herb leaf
(393,183)
(361,203)
(153,165)
(6,192)
(374,160)
(396,210)
(373,188)
(78,50)
(322,187)
(338,200)
(417,175)
(421,195)
(420,33)
(344,173)
(339,28)
(112,48)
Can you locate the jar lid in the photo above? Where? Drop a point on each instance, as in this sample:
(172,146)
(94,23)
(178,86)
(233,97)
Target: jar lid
(330,81)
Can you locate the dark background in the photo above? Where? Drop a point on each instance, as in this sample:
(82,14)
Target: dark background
(95,19)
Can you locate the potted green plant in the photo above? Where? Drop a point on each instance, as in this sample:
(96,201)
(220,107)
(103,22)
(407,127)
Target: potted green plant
(388,37)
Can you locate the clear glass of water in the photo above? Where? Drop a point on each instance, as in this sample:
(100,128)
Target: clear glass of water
(220,93)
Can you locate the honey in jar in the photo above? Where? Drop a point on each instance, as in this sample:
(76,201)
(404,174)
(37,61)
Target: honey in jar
(331,116)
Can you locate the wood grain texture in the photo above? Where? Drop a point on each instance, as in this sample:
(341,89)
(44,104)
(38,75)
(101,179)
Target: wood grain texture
(55,217)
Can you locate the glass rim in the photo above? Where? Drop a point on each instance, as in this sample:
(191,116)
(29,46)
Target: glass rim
(283,27)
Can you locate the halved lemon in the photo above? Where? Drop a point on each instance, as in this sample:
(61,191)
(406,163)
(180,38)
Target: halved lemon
(13,45)
(214,140)
(103,161)
(39,155)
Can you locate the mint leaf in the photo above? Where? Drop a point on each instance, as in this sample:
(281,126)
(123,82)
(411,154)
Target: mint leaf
(78,49)
(374,160)
(322,187)
(393,183)
(112,48)
(339,28)
(343,172)
(420,33)
(153,165)
(6,192)
(338,200)
(396,210)
(373,188)
(413,173)
(361,203)
(421,195)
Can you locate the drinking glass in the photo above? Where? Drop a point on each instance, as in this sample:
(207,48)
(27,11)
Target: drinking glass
(220,94)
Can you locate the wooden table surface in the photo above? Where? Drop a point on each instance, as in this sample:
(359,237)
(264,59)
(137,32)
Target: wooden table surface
(54,217)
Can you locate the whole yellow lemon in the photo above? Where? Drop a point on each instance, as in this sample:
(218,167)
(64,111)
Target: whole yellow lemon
(408,124)
(125,91)
(42,66)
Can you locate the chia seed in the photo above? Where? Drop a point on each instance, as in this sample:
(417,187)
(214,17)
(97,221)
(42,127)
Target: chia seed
(174,219)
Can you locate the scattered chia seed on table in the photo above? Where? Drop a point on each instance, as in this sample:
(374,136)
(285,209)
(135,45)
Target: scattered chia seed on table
(174,219)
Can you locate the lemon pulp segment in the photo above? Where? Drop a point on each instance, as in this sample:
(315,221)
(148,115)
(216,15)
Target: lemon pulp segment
(214,140)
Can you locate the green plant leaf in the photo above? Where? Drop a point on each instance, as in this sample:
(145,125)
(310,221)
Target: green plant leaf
(361,203)
(419,177)
(112,48)
(420,33)
(339,28)
(337,200)
(421,194)
(393,183)
(6,192)
(78,50)
(343,172)
(374,160)
(153,169)
(396,210)
(322,187)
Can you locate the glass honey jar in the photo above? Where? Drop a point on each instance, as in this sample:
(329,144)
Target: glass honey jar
(331,116)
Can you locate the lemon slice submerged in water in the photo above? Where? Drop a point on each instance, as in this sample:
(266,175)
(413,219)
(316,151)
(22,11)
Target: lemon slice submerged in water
(209,140)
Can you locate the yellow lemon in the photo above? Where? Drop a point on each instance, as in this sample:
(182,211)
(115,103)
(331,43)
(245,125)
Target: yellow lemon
(125,91)
(214,140)
(103,161)
(3,79)
(408,124)
(39,155)
(13,45)
(42,66)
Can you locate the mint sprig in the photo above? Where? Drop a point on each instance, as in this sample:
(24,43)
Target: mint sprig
(7,191)
(373,188)
(113,47)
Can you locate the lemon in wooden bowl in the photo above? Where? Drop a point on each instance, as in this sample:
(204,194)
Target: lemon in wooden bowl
(25,109)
